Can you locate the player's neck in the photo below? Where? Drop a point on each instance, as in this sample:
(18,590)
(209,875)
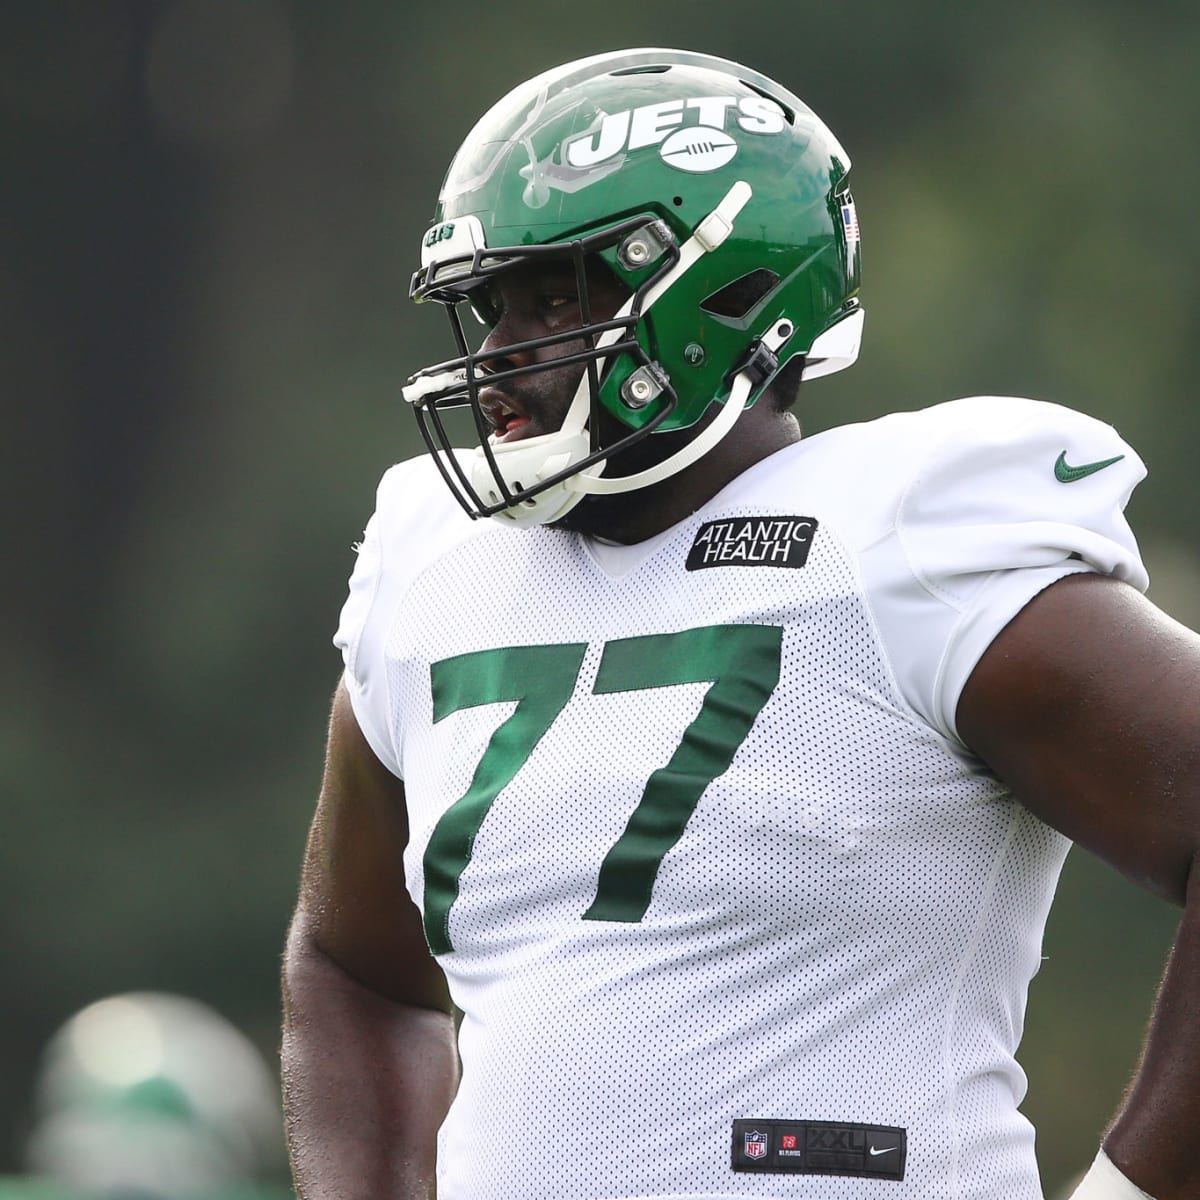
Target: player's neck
(635,516)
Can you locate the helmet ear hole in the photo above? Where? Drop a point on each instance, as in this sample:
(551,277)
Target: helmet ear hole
(736,299)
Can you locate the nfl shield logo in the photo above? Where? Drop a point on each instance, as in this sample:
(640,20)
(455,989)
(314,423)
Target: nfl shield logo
(756,1145)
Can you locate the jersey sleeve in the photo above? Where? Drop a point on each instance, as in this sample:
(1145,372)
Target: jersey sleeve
(363,627)
(1008,497)
(415,522)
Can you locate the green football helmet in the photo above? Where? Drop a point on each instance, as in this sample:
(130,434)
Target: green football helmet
(713,194)
(157,1096)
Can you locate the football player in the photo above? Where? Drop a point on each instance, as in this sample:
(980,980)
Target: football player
(696,793)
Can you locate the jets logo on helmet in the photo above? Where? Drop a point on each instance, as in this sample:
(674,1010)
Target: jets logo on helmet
(692,149)
(635,129)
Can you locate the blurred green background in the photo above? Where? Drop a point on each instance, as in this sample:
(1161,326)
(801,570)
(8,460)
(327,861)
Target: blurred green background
(209,212)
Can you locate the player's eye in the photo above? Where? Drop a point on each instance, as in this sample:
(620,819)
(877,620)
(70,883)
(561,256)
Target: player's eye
(556,301)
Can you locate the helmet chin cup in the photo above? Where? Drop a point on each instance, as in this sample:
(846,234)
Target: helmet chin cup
(522,465)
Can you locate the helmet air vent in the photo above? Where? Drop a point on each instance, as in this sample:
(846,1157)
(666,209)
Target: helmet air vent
(736,299)
(788,112)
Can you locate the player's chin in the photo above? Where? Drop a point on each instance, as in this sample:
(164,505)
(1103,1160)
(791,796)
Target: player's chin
(599,515)
(608,516)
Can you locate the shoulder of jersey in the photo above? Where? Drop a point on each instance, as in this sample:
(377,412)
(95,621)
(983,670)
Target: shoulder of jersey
(974,447)
(969,419)
(895,446)
(878,458)
(416,511)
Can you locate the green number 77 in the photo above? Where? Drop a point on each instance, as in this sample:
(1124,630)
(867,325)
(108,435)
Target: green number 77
(741,662)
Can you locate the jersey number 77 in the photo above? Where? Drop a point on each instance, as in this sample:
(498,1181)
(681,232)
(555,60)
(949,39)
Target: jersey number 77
(741,662)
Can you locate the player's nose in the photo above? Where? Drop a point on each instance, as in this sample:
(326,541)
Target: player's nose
(509,345)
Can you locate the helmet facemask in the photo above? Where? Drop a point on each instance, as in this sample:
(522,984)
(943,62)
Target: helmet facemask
(509,477)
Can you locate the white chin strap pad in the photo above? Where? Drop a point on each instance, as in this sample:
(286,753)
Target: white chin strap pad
(524,463)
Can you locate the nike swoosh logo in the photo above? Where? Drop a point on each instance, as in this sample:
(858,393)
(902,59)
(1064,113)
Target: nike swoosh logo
(886,1149)
(1067,474)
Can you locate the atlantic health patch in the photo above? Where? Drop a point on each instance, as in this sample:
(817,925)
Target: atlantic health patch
(774,1147)
(752,542)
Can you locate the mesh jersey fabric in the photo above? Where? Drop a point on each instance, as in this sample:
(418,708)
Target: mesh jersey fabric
(845,909)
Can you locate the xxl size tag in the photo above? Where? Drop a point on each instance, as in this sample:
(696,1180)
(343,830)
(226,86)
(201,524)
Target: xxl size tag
(776,1147)
(752,542)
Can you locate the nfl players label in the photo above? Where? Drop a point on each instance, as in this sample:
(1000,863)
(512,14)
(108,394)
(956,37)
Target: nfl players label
(752,542)
(773,1147)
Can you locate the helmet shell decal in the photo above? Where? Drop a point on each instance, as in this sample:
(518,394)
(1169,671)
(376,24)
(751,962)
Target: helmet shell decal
(692,133)
(549,176)
(649,124)
(699,148)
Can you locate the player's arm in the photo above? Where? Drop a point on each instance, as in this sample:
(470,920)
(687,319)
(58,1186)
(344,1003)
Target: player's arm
(369,1064)
(1088,705)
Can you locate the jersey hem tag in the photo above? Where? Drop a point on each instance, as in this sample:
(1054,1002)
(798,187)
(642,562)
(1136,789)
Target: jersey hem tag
(775,1147)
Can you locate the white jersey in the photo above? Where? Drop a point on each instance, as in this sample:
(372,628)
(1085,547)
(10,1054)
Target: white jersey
(728,906)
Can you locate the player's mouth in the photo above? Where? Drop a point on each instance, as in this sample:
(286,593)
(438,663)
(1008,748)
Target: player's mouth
(508,420)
